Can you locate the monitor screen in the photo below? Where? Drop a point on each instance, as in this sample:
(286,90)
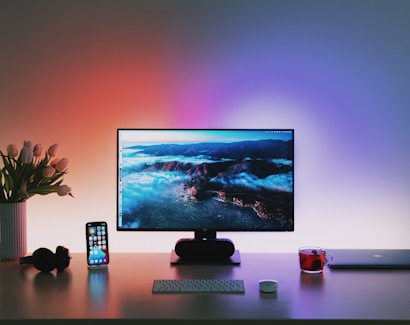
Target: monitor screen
(205,179)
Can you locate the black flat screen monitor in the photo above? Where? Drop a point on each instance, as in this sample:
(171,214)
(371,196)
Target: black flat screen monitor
(205,181)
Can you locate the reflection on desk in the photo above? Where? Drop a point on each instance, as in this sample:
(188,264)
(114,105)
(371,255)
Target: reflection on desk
(124,291)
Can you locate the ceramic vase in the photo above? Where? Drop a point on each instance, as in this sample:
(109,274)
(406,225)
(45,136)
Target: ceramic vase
(13,230)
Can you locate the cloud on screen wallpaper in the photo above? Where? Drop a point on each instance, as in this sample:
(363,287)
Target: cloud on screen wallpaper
(205,179)
(337,72)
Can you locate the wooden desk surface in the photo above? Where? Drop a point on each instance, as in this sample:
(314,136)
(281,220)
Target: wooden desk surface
(123,291)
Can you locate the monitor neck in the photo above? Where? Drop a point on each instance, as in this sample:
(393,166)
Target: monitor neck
(205,234)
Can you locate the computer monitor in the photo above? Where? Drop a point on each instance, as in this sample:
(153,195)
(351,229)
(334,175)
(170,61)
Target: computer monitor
(205,181)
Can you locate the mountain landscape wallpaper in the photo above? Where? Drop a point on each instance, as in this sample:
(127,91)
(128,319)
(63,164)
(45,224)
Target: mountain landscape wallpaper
(244,185)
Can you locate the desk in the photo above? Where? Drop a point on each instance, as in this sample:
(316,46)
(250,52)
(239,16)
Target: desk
(123,291)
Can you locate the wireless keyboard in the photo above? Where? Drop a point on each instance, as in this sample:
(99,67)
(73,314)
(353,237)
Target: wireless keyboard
(198,286)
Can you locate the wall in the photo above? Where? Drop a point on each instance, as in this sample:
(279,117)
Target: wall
(337,72)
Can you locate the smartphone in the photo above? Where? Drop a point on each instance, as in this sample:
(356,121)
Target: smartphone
(96,233)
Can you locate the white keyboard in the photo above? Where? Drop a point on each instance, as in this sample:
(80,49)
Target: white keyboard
(198,286)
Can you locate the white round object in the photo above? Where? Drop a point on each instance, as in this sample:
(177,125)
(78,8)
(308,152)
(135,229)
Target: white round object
(268,285)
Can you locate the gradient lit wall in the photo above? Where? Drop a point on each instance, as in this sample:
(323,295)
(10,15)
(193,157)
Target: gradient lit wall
(338,72)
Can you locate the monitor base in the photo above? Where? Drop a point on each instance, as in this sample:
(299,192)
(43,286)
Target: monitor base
(235,259)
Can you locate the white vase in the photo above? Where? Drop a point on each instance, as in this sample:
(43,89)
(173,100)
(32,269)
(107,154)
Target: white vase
(13,230)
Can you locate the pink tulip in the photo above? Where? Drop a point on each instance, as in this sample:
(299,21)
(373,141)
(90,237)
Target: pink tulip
(28,144)
(61,165)
(63,190)
(54,161)
(26,155)
(53,150)
(38,150)
(12,150)
(48,171)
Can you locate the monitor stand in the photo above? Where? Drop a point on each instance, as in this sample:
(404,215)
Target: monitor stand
(235,259)
(205,248)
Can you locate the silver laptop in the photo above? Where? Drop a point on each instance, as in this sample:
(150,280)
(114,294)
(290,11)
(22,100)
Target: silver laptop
(369,258)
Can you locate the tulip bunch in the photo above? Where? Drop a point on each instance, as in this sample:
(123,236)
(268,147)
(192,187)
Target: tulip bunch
(32,170)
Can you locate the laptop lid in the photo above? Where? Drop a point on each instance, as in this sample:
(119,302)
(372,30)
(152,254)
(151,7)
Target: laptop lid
(369,258)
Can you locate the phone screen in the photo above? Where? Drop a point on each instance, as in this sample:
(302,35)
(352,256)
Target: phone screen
(97,243)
